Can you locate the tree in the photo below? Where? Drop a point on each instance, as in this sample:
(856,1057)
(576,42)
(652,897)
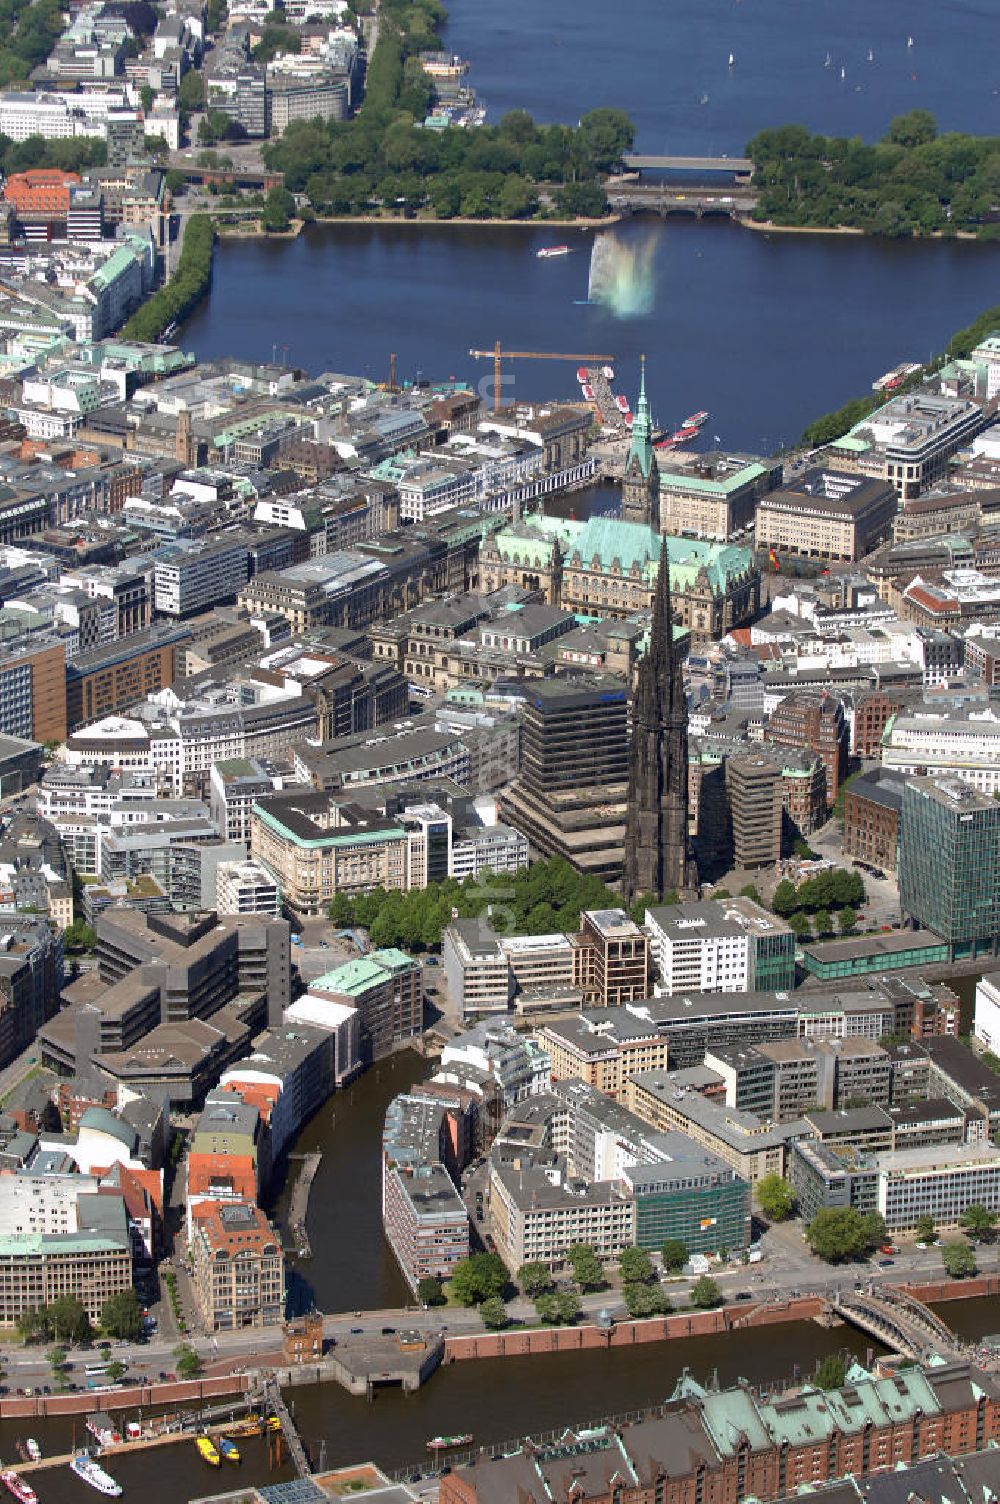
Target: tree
(831,1373)
(801,925)
(480,1277)
(279,206)
(56,1358)
(493,1313)
(79,936)
(847,919)
(121,1316)
(775,1198)
(587,1268)
(645,1300)
(705,1293)
(568,1304)
(822,922)
(69,1321)
(534,1279)
(916,128)
(959,1260)
(635,1266)
(32,1326)
(674,1254)
(429,1291)
(146,98)
(925,1231)
(189,1364)
(751,891)
(836,1233)
(978,1222)
(873,1230)
(116,1370)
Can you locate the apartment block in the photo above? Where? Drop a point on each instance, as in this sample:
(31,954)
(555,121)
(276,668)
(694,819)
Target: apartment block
(239,1268)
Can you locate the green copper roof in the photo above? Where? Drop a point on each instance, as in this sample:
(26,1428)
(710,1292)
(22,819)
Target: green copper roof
(641,447)
(355,977)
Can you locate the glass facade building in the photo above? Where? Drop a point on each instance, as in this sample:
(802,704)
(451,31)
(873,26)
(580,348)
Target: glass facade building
(949,878)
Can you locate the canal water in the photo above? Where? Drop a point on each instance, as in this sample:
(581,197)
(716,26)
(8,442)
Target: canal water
(496,1400)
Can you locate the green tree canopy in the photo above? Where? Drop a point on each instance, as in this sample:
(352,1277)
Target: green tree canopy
(831,1373)
(959,1260)
(925,1231)
(587,1268)
(978,1222)
(121,1316)
(429,1291)
(705,1293)
(534,1279)
(775,1198)
(68,1321)
(674,1254)
(837,1233)
(189,1364)
(493,1313)
(480,1277)
(643,1300)
(916,128)
(635,1266)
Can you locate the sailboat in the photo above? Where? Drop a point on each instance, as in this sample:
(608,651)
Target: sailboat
(843,74)
(828,63)
(732,60)
(909,41)
(871,55)
(703,99)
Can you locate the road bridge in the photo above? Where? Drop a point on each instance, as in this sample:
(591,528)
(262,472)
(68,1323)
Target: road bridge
(697,199)
(636,163)
(899,1320)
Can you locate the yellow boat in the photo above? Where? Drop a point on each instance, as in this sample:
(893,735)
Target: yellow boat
(208,1450)
(229,1449)
(273,1423)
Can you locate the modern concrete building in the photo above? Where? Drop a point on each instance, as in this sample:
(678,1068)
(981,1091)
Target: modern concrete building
(826,514)
(425,1220)
(753,789)
(386,988)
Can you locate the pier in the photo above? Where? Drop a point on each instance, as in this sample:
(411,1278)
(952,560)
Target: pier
(298,1204)
(289,1430)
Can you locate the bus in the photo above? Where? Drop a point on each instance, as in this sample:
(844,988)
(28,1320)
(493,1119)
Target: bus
(95,1370)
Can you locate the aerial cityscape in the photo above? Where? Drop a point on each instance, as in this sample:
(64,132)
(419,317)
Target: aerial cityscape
(499,752)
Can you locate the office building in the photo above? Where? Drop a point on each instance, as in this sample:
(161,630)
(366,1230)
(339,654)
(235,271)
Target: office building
(570,797)
(425,1220)
(386,989)
(753,791)
(238,1267)
(826,514)
(697,947)
(950,864)
(200,574)
(813,721)
(873,805)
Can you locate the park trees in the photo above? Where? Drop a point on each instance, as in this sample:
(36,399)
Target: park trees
(674,1255)
(534,1279)
(480,1277)
(121,1316)
(587,1268)
(705,1293)
(979,1222)
(959,1260)
(841,1232)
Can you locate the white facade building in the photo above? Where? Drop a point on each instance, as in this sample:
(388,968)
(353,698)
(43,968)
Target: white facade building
(986,1023)
(968,746)
(698,948)
(245,888)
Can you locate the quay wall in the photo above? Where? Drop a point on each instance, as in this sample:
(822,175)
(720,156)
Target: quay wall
(184,1391)
(519,1344)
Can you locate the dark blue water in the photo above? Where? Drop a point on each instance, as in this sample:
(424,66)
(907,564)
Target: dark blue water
(764,331)
(657,59)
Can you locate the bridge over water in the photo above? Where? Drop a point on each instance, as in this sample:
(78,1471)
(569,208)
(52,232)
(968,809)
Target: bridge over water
(899,1320)
(738,165)
(698,199)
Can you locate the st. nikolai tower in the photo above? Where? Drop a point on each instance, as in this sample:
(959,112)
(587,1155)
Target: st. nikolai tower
(658,856)
(641,480)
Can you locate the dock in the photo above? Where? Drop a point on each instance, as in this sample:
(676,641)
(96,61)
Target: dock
(298,1205)
(289,1430)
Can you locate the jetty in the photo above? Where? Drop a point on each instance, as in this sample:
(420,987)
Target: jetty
(298,1205)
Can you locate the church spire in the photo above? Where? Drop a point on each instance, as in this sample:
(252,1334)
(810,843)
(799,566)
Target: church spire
(641,487)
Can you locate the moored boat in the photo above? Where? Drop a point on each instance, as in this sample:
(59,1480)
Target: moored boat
(621,403)
(582,374)
(33,1450)
(230,1451)
(696,419)
(16,1485)
(608,372)
(446,1443)
(209,1451)
(684,435)
(552,250)
(84,1466)
(588,392)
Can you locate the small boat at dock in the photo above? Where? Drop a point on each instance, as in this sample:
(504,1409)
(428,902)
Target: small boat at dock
(18,1486)
(84,1466)
(229,1450)
(208,1450)
(447,1443)
(33,1450)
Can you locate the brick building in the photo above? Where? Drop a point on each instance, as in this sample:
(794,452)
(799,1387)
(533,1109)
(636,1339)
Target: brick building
(41,194)
(813,720)
(872,806)
(120,673)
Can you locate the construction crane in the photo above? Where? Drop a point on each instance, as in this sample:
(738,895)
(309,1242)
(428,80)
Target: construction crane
(498,355)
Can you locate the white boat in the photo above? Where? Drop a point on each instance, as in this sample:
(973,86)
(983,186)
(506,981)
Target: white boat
(91,1472)
(552,250)
(909,42)
(732,60)
(608,373)
(871,55)
(828,62)
(33,1450)
(703,99)
(19,1487)
(843,74)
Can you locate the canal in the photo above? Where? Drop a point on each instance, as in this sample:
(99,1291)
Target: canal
(496,1400)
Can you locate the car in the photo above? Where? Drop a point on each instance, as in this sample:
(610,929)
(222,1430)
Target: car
(744,1295)
(163,1377)
(885,1263)
(356,1331)
(388,1331)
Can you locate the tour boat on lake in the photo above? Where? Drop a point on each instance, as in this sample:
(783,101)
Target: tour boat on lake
(446,1443)
(552,250)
